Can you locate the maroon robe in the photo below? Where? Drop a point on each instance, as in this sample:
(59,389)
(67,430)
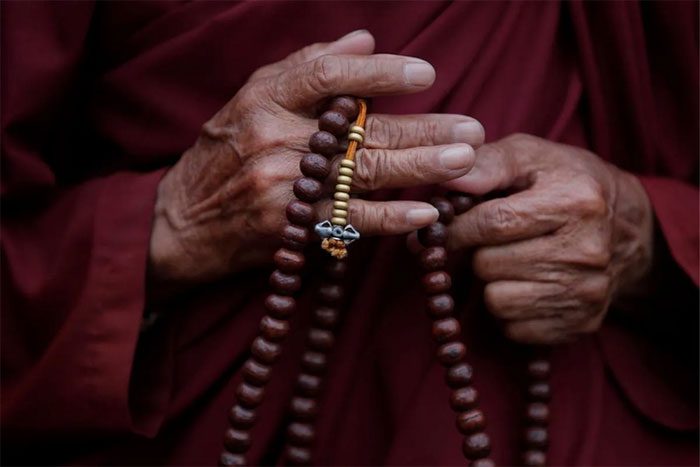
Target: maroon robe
(98,99)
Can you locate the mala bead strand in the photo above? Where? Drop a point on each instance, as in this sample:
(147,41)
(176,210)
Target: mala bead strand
(447,334)
(320,339)
(280,304)
(536,436)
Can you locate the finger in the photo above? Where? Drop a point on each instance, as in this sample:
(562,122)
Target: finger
(539,331)
(360,42)
(518,300)
(549,258)
(510,162)
(407,131)
(385,218)
(523,215)
(332,75)
(401,168)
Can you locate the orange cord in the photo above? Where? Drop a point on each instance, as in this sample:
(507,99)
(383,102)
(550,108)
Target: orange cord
(361,118)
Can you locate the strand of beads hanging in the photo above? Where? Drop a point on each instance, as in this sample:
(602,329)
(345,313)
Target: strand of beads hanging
(285,281)
(447,333)
(301,432)
(337,233)
(536,436)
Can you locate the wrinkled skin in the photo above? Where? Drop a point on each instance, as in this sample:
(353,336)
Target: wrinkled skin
(574,235)
(221,207)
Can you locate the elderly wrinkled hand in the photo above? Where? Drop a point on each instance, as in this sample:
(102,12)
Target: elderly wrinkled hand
(572,235)
(221,207)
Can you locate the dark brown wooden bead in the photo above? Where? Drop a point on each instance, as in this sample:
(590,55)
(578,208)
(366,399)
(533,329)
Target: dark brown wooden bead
(451,353)
(300,434)
(433,235)
(237,440)
(296,455)
(308,385)
(537,413)
(445,208)
(265,351)
(326,317)
(471,421)
(336,269)
(285,283)
(273,329)
(540,391)
(249,396)
(536,437)
(463,399)
(476,446)
(308,189)
(346,105)
(240,417)
(440,305)
(446,329)
(459,376)
(433,258)
(485,462)
(313,362)
(256,373)
(534,458)
(461,202)
(437,282)
(304,408)
(280,306)
(295,237)
(229,459)
(320,339)
(539,369)
(315,166)
(330,293)
(334,122)
(301,213)
(323,143)
(289,261)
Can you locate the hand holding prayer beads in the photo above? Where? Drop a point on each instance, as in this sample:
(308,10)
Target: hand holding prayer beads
(244,163)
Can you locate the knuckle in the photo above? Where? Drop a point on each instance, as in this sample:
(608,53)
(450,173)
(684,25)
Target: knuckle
(595,252)
(383,132)
(370,165)
(262,177)
(502,218)
(589,199)
(429,130)
(326,70)
(596,290)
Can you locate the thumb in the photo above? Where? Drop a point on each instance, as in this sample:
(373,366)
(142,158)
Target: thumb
(499,165)
(360,42)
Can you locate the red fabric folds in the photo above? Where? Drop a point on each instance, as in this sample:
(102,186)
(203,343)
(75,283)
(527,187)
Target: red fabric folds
(100,98)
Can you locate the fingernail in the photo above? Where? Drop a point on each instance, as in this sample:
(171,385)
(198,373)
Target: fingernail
(455,157)
(466,132)
(422,216)
(419,73)
(352,34)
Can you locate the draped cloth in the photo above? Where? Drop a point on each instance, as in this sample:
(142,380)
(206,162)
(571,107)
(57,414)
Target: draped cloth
(99,99)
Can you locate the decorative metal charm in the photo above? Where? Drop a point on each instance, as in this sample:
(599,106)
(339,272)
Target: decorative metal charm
(336,232)
(336,237)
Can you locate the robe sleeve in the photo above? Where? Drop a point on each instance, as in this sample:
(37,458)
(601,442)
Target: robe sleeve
(676,207)
(654,359)
(74,252)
